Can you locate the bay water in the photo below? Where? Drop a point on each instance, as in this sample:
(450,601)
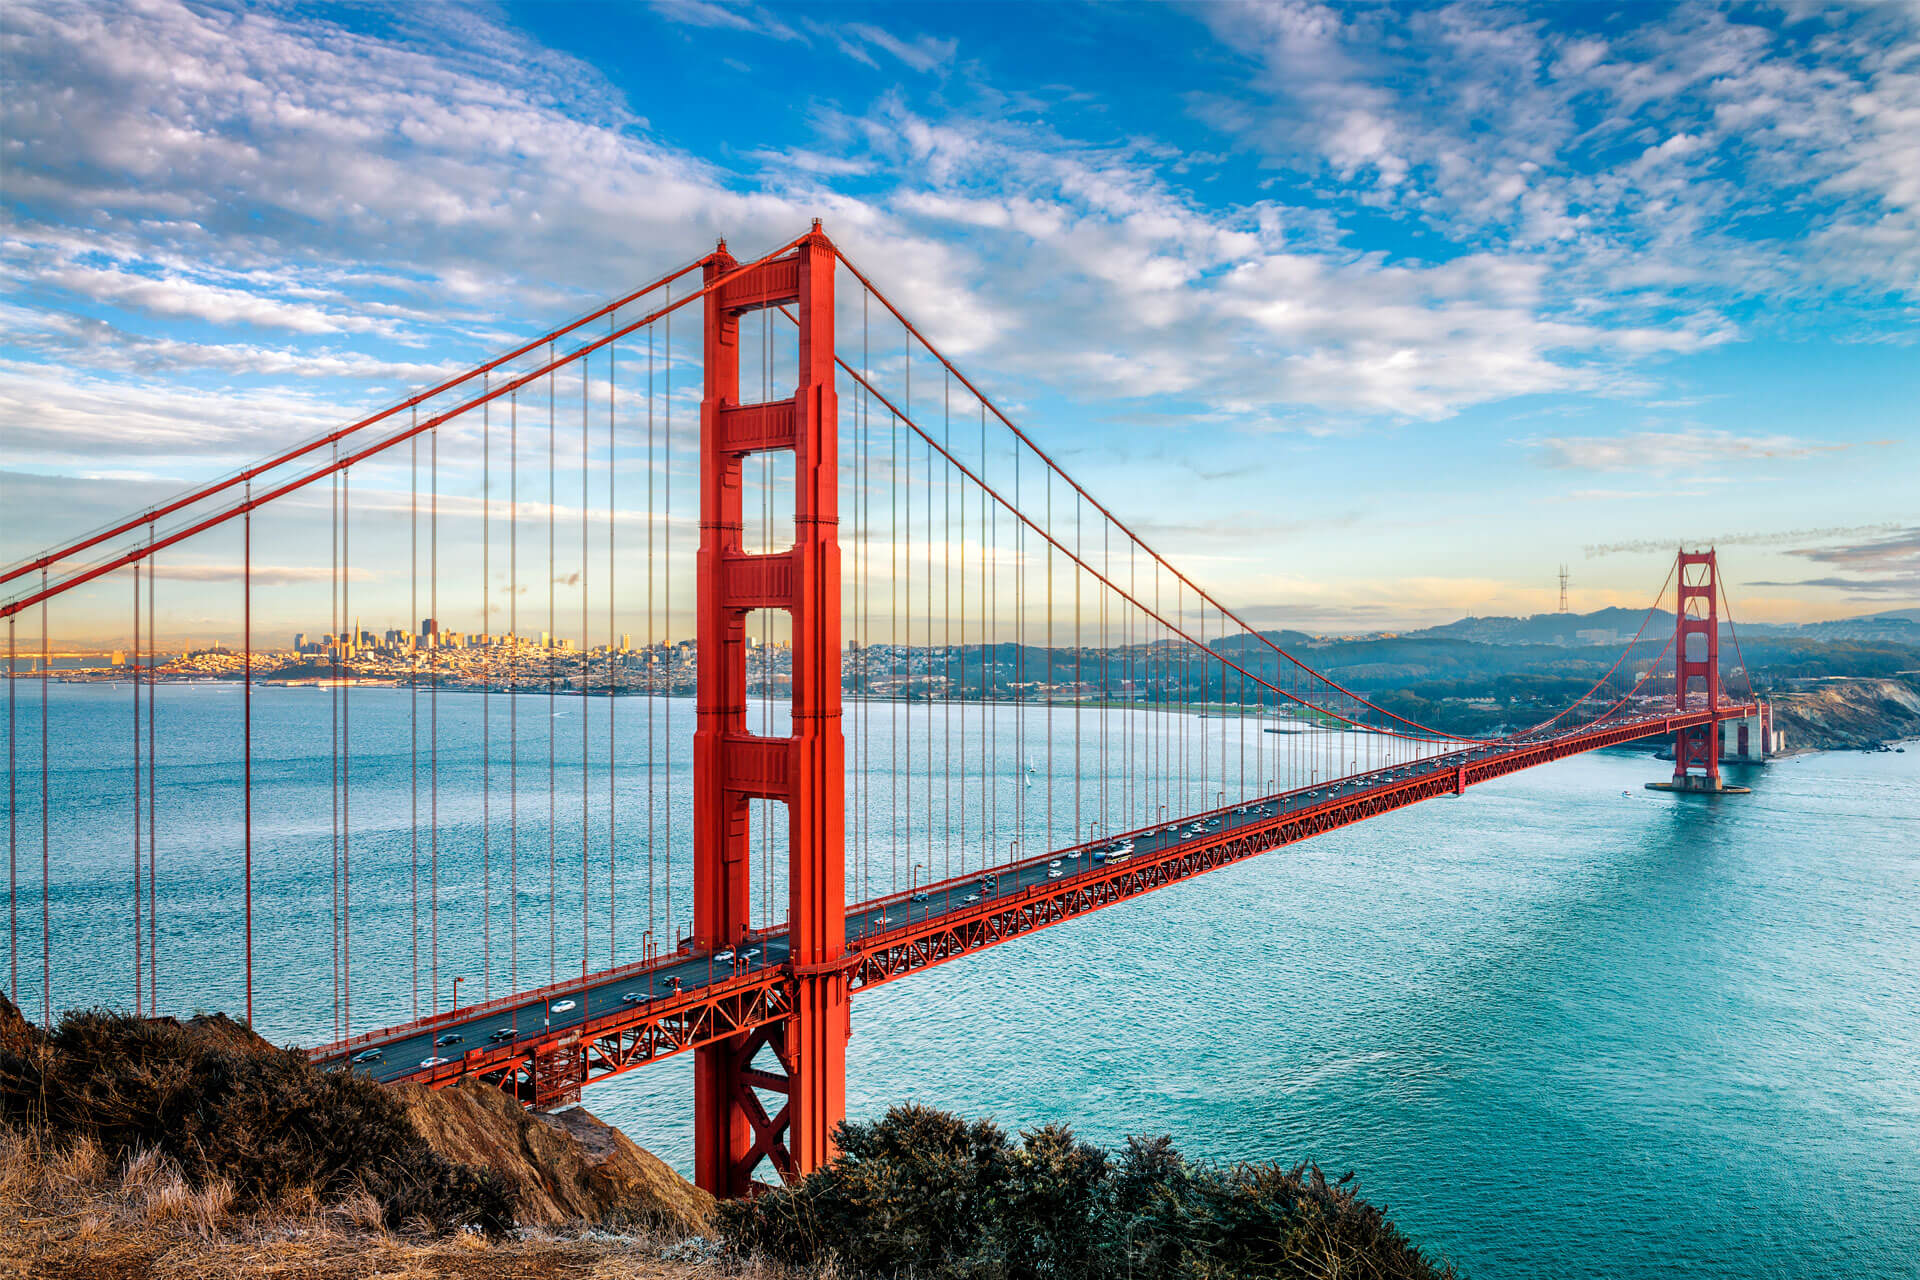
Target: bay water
(1560,1026)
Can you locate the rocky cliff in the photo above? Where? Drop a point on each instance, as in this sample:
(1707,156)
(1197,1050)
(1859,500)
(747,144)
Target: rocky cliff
(569,1166)
(1842,714)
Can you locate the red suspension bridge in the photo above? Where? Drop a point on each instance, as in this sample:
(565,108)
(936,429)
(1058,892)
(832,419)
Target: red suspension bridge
(984,702)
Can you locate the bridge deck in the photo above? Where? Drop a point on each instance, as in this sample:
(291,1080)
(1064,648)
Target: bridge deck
(614,1021)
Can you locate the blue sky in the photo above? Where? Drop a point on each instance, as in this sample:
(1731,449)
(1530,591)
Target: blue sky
(1370,315)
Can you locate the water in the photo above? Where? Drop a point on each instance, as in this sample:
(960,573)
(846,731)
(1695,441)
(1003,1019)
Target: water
(1558,1030)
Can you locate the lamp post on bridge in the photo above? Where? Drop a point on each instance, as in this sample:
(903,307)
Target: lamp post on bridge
(456,993)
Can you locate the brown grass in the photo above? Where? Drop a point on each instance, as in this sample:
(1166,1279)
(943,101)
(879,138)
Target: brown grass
(68,1212)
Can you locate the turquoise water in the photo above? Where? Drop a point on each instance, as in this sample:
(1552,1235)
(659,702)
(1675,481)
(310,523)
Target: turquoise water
(1558,1030)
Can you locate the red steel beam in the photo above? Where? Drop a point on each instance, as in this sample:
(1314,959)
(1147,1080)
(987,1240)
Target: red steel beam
(618,1042)
(924,944)
(551,1066)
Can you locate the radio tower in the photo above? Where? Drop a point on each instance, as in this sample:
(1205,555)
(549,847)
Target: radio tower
(1563,588)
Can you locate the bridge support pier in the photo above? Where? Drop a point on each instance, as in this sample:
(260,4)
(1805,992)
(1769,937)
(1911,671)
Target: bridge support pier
(806,771)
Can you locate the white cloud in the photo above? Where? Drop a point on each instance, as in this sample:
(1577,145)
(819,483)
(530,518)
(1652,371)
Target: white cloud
(1678,452)
(1689,147)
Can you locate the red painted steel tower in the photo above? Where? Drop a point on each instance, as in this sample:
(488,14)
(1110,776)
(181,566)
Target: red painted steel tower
(805,771)
(1698,614)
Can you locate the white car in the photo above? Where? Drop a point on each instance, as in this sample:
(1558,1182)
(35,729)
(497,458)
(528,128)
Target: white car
(631,997)
(1073,853)
(1054,873)
(753,953)
(971,898)
(561,1006)
(1054,863)
(723,956)
(433,1062)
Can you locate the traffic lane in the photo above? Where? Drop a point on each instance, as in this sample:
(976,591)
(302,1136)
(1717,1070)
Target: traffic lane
(405,1056)
(694,973)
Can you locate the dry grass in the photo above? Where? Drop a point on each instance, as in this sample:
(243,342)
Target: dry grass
(68,1212)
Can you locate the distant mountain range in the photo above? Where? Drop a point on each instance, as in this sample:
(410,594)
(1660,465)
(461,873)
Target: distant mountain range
(1615,626)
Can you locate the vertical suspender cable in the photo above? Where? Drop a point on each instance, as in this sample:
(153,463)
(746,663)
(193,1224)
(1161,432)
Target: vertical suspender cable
(653,691)
(989,525)
(333,725)
(346,758)
(486,693)
(413,708)
(513,691)
(613,915)
(433,721)
(867,479)
(139,906)
(153,794)
(953,714)
(1019,656)
(553,642)
(13,838)
(586,664)
(46,911)
(246,729)
(666,619)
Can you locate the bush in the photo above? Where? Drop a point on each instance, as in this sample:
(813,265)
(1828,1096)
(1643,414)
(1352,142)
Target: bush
(924,1193)
(226,1106)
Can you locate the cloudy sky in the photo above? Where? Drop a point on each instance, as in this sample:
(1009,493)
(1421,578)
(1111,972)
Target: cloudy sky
(1372,315)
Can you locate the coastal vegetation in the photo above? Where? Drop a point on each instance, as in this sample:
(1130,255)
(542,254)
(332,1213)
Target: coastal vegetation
(922,1192)
(140,1148)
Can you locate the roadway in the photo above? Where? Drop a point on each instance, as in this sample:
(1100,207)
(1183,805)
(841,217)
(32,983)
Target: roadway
(409,1050)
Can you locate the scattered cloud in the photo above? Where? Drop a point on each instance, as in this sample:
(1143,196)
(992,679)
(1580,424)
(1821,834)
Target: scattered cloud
(1675,451)
(1778,538)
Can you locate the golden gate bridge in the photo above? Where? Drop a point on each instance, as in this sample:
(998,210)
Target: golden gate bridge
(1004,709)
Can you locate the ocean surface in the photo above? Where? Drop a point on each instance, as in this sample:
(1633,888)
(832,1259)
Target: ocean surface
(1561,1026)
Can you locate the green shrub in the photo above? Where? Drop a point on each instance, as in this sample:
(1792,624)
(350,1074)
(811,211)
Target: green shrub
(923,1193)
(224,1104)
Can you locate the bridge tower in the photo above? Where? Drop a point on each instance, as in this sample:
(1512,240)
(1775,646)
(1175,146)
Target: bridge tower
(1697,613)
(732,766)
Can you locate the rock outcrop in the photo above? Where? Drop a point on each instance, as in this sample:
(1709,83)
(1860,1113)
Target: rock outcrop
(569,1166)
(1842,714)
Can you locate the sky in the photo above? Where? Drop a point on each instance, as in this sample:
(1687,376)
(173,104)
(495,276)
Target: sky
(1371,316)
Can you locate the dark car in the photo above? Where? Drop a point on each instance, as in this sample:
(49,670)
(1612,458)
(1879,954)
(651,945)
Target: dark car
(452,1037)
